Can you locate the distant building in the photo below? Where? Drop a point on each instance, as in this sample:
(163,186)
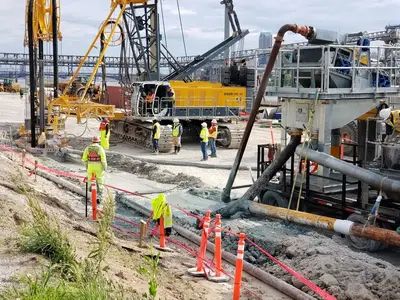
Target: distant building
(264,42)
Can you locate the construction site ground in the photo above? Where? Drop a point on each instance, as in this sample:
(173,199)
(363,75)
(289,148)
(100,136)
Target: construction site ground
(322,257)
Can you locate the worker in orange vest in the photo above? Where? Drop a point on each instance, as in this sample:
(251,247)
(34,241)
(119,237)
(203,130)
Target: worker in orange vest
(213,132)
(105,133)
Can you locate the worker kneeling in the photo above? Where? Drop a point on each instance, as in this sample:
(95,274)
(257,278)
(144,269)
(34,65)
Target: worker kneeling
(94,158)
(161,208)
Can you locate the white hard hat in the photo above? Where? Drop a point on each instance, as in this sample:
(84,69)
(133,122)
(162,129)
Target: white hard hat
(385,113)
(176,120)
(204,124)
(214,121)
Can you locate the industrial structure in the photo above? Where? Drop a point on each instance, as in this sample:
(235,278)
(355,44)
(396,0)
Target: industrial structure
(323,86)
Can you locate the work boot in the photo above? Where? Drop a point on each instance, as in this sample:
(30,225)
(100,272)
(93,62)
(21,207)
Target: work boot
(213,155)
(179,149)
(156,152)
(176,150)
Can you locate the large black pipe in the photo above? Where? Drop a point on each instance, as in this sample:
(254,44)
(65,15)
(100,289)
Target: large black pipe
(306,31)
(274,167)
(32,79)
(55,47)
(375,180)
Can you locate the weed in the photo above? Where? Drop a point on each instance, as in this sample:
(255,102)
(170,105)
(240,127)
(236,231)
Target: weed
(150,268)
(44,236)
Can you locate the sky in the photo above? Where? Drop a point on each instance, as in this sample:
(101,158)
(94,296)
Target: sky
(203,21)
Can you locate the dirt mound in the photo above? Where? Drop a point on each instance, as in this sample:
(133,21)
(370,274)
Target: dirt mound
(344,273)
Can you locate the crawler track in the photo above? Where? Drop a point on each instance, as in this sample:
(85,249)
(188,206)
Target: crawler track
(230,135)
(140,133)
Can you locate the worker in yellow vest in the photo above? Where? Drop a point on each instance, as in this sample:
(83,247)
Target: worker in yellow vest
(392,120)
(105,133)
(95,160)
(177,131)
(161,208)
(204,140)
(156,135)
(213,132)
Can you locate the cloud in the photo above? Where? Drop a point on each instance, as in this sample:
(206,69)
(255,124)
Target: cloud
(203,21)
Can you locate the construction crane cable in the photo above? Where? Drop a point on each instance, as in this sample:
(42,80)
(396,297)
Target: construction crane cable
(180,20)
(162,18)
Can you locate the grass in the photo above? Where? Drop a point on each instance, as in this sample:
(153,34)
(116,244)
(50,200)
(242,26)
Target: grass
(151,269)
(66,278)
(44,236)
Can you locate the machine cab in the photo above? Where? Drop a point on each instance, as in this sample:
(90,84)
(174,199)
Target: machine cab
(151,98)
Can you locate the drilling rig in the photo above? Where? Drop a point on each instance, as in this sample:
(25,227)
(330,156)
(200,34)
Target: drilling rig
(194,102)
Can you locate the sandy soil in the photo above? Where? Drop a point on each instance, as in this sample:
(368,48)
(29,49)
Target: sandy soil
(123,264)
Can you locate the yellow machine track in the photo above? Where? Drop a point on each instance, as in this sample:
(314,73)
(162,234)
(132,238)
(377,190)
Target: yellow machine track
(230,135)
(140,133)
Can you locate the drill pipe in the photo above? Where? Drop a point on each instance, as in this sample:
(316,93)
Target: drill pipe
(375,180)
(306,31)
(274,167)
(346,227)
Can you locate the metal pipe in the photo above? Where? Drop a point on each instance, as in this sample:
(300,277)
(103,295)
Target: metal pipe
(341,226)
(306,31)
(274,167)
(375,180)
(32,80)
(41,87)
(55,47)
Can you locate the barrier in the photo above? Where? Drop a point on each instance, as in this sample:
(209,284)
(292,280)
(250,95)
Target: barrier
(218,276)
(239,267)
(201,257)
(162,246)
(199,271)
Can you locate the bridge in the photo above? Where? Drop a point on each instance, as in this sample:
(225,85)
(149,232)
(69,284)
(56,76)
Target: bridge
(71,61)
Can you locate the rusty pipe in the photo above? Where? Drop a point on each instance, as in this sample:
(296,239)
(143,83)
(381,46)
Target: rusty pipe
(345,227)
(306,31)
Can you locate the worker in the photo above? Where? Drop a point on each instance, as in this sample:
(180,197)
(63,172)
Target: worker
(392,120)
(171,100)
(148,102)
(213,132)
(177,131)
(161,208)
(21,93)
(204,140)
(94,158)
(105,133)
(156,135)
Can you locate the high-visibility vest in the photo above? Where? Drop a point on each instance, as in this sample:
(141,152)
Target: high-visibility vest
(396,120)
(94,154)
(162,209)
(176,129)
(204,135)
(215,133)
(158,130)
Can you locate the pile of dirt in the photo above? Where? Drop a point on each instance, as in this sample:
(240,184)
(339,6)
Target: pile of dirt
(151,171)
(344,273)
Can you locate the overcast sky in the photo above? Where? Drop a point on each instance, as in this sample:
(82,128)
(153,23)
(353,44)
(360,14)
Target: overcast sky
(203,20)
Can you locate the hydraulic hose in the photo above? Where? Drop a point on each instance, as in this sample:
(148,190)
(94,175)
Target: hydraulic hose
(306,31)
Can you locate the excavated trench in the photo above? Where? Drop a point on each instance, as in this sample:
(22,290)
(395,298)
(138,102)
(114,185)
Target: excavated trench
(326,261)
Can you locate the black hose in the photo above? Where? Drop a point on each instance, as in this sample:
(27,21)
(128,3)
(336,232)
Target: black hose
(32,81)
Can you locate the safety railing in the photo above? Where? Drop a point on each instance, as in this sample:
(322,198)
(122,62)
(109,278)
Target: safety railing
(193,107)
(336,69)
